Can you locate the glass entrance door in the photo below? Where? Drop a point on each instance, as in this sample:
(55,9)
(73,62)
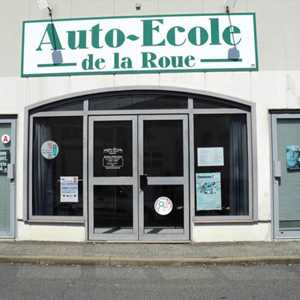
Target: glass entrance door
(286,171)
(138,177)
(113,178)
(163,172)
(7,178)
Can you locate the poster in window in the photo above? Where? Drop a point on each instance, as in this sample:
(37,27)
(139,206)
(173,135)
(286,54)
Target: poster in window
(293,157)
(210,156)
(208,191)
(4,161)
(69,189)
(113,158)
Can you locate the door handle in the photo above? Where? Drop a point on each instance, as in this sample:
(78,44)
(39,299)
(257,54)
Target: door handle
(11,171)
(143,182)
(277,171)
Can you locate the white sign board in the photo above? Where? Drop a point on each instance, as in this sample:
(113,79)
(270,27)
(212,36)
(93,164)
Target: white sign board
(69,189)
(210,156)
(208,191)
(110,45)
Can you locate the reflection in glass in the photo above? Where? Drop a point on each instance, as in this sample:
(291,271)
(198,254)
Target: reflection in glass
(137,101)
(153,220)
(230,133)
(113,208)
(67,133)
(163,148)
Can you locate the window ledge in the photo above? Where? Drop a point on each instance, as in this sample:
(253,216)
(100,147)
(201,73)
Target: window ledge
(221,220)
(55,220)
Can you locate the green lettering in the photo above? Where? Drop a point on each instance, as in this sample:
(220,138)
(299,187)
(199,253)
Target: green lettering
(164,62)
(148,30)
(52,37)
(198,36)
(100,63)
(171,36)
(215,34)
(96,36)
(190,61)
(147,58)
(228,35)
(114,38)
(81,44)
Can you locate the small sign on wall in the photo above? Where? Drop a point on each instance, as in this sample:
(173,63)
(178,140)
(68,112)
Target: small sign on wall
(293,157)
(113,158)
(4,161)
(210,156)
(69,189)
(208,191)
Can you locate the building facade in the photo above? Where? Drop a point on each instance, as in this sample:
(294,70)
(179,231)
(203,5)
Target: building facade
(112,129)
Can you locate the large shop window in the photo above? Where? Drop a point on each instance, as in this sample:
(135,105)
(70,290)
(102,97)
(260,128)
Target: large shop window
(57,166)
(221,165)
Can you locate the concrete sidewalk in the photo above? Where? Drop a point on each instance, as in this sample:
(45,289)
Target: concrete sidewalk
(287,252)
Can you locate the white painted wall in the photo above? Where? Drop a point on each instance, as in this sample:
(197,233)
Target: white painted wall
(276,85)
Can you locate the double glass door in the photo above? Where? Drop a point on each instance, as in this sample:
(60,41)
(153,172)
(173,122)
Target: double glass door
(138,177)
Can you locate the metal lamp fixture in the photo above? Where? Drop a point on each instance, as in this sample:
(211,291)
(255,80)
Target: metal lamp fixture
(56,54)
(233,53)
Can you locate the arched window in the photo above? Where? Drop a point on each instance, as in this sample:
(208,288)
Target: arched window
(219,147)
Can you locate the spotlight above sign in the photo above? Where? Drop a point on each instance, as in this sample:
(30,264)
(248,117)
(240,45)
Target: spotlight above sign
(149,44)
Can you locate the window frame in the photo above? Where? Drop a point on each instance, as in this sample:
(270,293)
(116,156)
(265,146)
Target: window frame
(252,217)
(55,219)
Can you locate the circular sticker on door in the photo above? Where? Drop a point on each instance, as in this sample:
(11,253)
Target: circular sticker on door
(163,206)
(5,139)
(49,150)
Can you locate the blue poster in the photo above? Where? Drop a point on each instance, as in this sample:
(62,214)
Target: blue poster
(293,157)
(208,191)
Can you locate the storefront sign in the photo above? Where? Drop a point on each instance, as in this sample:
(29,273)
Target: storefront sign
(208,191)
(113,158)
(163,206)
(69,189)
(140,44)
(49,150)
(5,139)
(210,156)
(4,161)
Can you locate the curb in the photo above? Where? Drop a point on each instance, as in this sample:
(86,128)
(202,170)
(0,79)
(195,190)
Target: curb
(148,261)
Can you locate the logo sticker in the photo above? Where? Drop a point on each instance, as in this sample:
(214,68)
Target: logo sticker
(49,150)
(163,206)
(5,138)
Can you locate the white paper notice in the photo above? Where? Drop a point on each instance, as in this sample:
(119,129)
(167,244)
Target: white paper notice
(69,189)
(210,156)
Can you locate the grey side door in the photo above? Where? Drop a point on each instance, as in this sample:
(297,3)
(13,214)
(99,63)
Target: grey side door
(7,177)
(286,175)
